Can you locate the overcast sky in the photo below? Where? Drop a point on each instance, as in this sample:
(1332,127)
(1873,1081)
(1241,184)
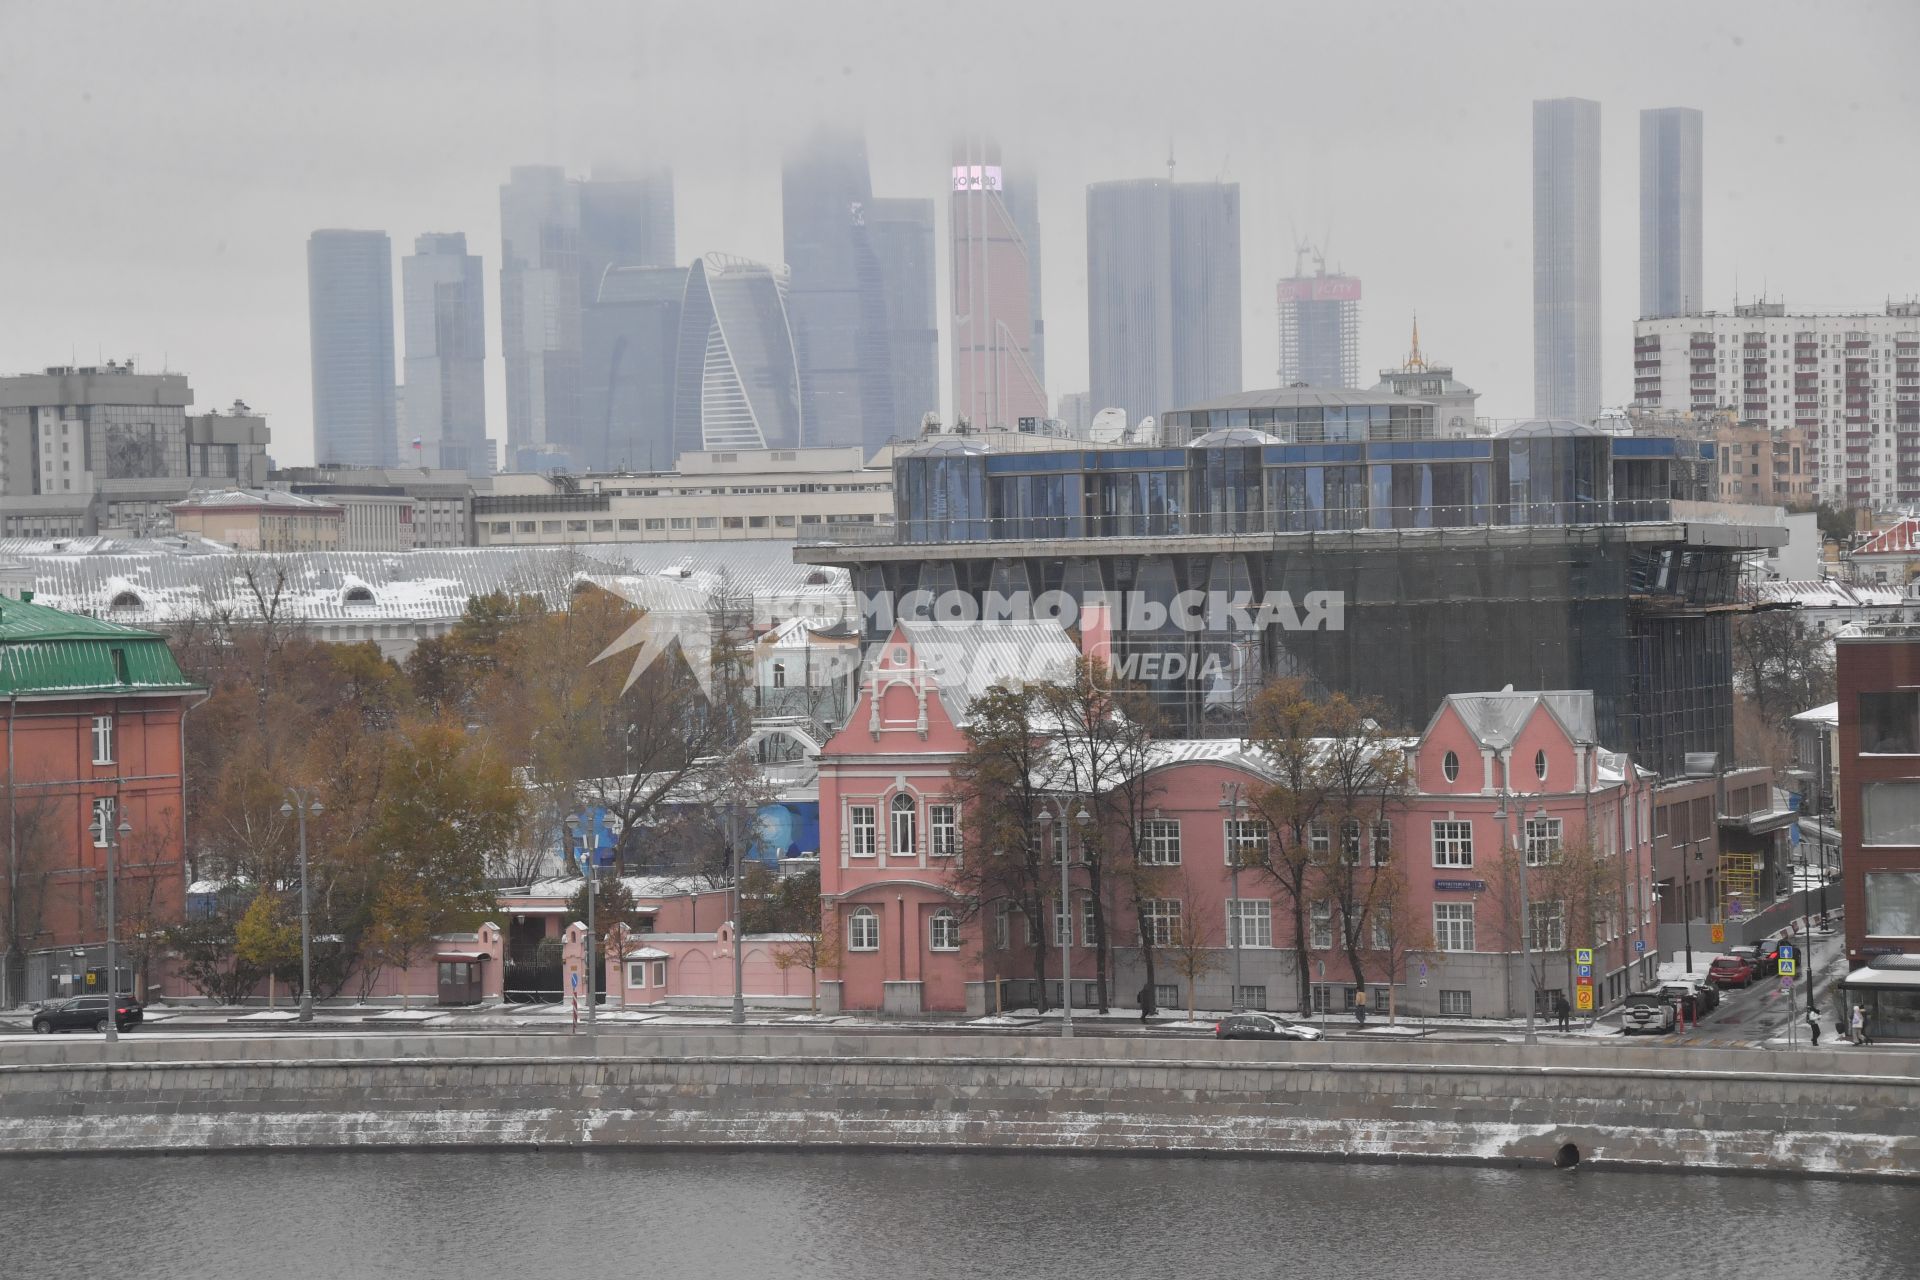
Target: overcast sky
(165,162)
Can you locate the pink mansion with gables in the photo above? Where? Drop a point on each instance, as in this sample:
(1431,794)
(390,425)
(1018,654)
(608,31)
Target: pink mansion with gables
(1496,778)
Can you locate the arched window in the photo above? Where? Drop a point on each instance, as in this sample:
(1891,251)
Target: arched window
(1451,767)
(358,595)
(1540,765)
(943,931)
(905,816)
(127,600)
(863,930)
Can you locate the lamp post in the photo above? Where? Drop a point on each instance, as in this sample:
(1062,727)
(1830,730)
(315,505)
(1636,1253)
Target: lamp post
(297,805)
(733,858)
(1082,819)
(1686,893)
(579,830)
(110,838)
(1230,801)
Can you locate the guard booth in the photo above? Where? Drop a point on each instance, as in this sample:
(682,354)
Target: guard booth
(460,977)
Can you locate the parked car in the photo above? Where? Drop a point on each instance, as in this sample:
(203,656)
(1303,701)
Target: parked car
(1263,1026)
(1646,1011)
(1764,956)
(1731,971)
(1695,999)
(86,1013)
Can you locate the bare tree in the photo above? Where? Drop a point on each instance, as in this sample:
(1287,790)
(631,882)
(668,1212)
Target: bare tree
(1285,726)
(1190,942)
(31,841)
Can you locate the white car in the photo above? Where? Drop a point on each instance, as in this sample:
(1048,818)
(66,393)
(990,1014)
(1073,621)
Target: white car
(1646,1011)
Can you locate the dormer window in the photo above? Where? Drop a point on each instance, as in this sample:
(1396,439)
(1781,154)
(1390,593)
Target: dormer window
(1540,765)
(127,600)
(358,595)
(1450,765)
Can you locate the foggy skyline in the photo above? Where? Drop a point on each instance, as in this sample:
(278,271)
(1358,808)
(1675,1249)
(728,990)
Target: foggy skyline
(167,180)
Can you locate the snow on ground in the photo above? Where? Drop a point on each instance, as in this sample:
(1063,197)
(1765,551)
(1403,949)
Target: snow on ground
(271,1015)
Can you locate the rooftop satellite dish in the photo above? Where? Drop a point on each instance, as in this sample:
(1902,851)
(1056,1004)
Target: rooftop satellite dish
(1109,426)
(1145,431)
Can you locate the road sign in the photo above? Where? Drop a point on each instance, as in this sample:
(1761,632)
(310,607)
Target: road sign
(1789,966)
(1786,984)
(1718,933)
(1586,971)
(1639,944)
(1786,951)
(1583,998)
(575,978)
(1423,970)
(1423,982)
(1583,955)
(1733,907)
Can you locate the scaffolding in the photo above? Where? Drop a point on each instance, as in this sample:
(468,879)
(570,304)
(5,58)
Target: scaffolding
(1739,882)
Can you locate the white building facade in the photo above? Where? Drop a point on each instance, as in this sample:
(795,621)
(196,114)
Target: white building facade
(1851,380)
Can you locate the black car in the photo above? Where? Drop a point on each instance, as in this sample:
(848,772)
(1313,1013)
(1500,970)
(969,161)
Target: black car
(1262,1026)
(86,1013)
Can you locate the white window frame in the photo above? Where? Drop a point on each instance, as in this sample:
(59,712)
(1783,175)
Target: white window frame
(1453,924)
(1319,836)
(863,830)
(1320,925)
(1251,921)
(943,830)
(1003,928)
(1086,920)
(1244,839)
(944,922)
(1381,842)
(1380,927)
(903,820)
(1543,841)
(660,974)
(636,975)
(863,923)
(1160,842)
(1456,1004)
(103,818)
(1062,920)
(103,739)
(1450,766)
(1547,926)
(1352,840)
(1163,917)
(1452,843)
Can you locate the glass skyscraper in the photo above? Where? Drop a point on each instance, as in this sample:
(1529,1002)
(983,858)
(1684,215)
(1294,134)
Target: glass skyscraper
(1163,293)
(837,294)
(996,381)
(446,344)
(1670,212)
(350,329)
(1566,259)
(736,381)
(902,232)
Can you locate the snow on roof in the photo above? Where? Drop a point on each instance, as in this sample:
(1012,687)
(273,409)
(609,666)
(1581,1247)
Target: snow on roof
(1495,719)
(1828,593)
(247,499)
(965,659)
(174,585)
(1827,713)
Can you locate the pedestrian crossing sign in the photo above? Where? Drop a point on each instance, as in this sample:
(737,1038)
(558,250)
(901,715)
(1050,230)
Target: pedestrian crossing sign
(1583,955)
(1789,967)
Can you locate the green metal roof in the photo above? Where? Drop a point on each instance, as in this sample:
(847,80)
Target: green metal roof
(46,652)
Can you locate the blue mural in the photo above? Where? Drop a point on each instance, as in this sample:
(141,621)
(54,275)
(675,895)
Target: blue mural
(786,831)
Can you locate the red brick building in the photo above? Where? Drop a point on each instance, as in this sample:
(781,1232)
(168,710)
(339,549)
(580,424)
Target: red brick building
(93,727)
(1879,791)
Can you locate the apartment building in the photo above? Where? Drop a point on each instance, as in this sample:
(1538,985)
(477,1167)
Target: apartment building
(262,520)
(711,495)
(1851,382)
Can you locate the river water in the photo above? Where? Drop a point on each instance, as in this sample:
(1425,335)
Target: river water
(776,1216)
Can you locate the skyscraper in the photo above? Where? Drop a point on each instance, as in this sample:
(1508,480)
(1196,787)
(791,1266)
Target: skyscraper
(837,294)
(350,329)
(902,232)
(1566,259)
(1163,293)
(736,380)
(632,337)
(626,220)
(1670,212)
(995,310)
(1319,325)
(446,343)
(1021,192)
(540,306)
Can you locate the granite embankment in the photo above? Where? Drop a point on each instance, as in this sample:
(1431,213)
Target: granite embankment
(1850,1112)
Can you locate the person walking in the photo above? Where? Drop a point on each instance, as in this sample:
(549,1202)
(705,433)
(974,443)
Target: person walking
(1146,1003)
(1813,1024)
(1857,1026)
(1561,1007)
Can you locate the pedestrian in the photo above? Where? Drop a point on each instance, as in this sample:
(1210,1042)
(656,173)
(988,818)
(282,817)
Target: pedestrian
(1561,1007)
(1813,1024)
(1146,1003)
(1858,1026)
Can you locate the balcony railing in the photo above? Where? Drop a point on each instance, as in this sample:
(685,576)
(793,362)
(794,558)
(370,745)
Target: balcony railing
(1258,523)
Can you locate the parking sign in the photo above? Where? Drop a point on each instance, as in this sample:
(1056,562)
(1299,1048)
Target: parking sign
(1639,944)
(1586,970)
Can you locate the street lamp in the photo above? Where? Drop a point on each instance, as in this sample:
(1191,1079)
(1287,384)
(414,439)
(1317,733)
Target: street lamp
(1230,801)
(733,859)
(298,805)
(1504,814)
(1686,893)
(577,829)
(1081,819)
(110,838)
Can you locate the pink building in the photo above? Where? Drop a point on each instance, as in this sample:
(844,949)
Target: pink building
(1492,773)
